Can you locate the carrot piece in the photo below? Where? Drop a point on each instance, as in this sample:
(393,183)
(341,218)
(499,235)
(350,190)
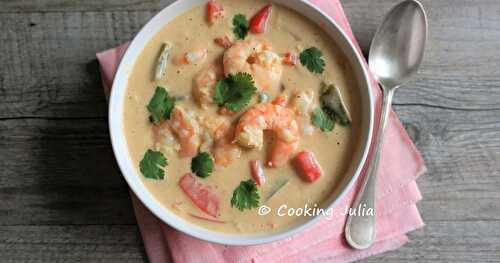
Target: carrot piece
(201,195)
(307,166)
(215,11)
(224,42)
(290,59)
(257,172)
(258,23)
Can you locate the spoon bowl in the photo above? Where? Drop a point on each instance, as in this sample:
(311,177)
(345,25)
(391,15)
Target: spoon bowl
(398,46)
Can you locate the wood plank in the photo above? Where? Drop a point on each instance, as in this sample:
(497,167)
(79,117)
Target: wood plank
(71,244)
(62,80)
(60,172)
(448,241)
(438,242)
(49,69)
(87,5)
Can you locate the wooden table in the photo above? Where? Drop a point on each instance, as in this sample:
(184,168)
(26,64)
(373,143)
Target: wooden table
(62,197)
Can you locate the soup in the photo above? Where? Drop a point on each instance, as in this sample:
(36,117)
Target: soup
(238,104)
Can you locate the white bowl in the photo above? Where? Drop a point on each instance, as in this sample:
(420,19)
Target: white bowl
(131,174)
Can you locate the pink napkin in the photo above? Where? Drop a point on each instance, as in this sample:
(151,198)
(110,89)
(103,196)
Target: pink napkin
(397,195)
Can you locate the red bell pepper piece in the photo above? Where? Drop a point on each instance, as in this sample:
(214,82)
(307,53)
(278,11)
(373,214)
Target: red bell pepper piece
(214,11)
(257,172)
(258,23)
(201,195)
(308,167)
(290,59)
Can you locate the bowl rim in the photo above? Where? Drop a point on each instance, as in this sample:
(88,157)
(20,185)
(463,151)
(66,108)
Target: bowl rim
(132,176)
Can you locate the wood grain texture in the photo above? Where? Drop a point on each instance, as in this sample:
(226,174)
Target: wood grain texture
(63,199)
(60,172)
(90,243)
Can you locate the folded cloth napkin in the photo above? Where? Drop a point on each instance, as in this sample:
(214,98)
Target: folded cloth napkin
(397,195)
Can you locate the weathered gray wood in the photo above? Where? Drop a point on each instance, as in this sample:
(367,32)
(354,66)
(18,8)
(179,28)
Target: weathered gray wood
(87,5)
(64,200)
(460,69)
(72,243)
(49,69)
(60,172)
(439,242)
(40,50)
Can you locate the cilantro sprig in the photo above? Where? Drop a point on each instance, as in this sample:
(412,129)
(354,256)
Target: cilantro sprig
(152,165)
(245,196)
(312,59)
(161,105)
(240,26)
(235,91)
(202,165)
(322,120)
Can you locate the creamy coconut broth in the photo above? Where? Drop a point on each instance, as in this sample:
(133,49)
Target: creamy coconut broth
(207,198)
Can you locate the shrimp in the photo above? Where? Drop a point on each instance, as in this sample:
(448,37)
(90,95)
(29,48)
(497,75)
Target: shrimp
(192,57)
(204,85)
(276,118)
(187,131)
(256,58)
(221,134)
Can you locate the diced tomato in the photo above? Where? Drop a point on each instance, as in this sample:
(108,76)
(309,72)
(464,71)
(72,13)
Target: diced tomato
(215,11)
(308,167)
(258,23)
(201,195)
(224,42)
(257,172)
(290,59)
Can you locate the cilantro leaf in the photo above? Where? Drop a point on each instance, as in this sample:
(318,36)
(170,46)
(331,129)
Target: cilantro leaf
(240,26)
(245,196)
(312,59)
(235,91)
(322,120)
(152,165)
(202,165)
(161,105)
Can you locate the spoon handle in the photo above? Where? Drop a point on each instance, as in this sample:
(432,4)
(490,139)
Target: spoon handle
(360,226)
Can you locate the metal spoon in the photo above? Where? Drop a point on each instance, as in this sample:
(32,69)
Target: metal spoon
(395,55)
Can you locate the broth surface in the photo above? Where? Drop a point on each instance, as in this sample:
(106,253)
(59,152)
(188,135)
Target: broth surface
(286,31)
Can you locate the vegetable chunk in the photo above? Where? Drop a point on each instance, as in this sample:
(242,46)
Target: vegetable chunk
(201,195)
(257,172)
(215,11)
(258,23)
(308,167)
